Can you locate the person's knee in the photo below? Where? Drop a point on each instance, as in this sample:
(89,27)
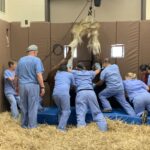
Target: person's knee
(66,113)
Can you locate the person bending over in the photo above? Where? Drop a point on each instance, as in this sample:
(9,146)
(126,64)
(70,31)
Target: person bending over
(137,92)
(114,88)
(61,96)
(86,97)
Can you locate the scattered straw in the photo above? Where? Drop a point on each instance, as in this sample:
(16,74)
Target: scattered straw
(119,137)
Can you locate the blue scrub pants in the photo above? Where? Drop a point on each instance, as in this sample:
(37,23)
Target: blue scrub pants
(29,99)
(63,104)
(87,99)
(120,97)
(141,103)
(40,107)
(14,101)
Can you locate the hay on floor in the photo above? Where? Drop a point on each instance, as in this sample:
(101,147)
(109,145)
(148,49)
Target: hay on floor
(119,137)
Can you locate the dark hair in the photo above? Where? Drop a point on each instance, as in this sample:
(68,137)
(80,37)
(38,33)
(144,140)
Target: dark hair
(81,66)
(63,67)
(11,62)
(144,67)
(148,67)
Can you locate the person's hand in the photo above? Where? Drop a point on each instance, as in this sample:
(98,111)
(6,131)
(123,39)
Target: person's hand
(97,66)
(42,91)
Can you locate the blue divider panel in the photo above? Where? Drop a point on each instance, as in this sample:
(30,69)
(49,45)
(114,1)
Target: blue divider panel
(50,116)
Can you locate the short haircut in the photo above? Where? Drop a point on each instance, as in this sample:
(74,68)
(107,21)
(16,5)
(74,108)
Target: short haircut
(11,62)
(63,67)
(143,67)
(81,66)
(131,75)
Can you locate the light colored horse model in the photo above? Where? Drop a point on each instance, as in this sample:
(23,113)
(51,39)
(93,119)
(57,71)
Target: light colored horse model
(86,27)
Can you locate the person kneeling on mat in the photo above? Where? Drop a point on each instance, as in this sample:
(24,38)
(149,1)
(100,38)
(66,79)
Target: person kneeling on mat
(114,88)
(86,97)
(10,88)
(137,92)
(61,96)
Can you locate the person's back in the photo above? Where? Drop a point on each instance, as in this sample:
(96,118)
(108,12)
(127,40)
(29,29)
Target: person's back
(132,87)
(31,86)
(27,69)
(63,81)
(61,96)
(83,79)
(86,97)
(114,88)
(111,76)
(137,92)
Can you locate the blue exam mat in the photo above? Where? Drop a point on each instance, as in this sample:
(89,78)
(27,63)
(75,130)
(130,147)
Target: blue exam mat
(49,116)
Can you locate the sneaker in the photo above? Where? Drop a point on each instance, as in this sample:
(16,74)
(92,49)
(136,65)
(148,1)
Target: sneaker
(61,130)
(144,117)
(107,110)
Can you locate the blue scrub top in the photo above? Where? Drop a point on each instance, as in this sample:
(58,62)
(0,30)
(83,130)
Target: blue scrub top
(148,82)
(83,79)
(63,81)
(9,87)
(27,69)
(134,87)
(111,76)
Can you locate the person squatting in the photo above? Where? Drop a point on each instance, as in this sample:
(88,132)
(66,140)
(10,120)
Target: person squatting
(24,88)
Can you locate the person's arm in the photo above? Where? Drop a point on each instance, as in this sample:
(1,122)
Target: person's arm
(102,79)
(98,68)
(53,71)
(39,73)
(147,88)
(97,71)
(41,83)
(8,77)
(99,83)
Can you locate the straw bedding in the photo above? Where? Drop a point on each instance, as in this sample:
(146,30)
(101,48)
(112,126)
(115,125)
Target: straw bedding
(119,137)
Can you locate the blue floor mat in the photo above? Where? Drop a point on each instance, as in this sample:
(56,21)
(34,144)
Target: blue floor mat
(49,116)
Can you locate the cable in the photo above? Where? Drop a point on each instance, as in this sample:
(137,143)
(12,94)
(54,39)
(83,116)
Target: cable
(64,37)
(49,53)
(76,19)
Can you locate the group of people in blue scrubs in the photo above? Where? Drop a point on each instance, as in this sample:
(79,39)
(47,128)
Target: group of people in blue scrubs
(86,98)
(24,87)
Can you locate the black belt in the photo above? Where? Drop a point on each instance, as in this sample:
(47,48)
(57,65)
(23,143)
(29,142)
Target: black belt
(85,90)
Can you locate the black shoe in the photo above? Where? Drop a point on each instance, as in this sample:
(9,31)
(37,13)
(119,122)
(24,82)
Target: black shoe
(107,110)
(144,117)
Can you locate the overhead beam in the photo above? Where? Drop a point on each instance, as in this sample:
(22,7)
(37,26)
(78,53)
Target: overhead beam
(47,10)
(143,9)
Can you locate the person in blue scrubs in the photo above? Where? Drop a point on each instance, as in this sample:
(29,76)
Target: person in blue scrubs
(31,86)
(63,81)
(148,78)
(10,89)
(114,88)
(86,97)
(137,92)
(144,72)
